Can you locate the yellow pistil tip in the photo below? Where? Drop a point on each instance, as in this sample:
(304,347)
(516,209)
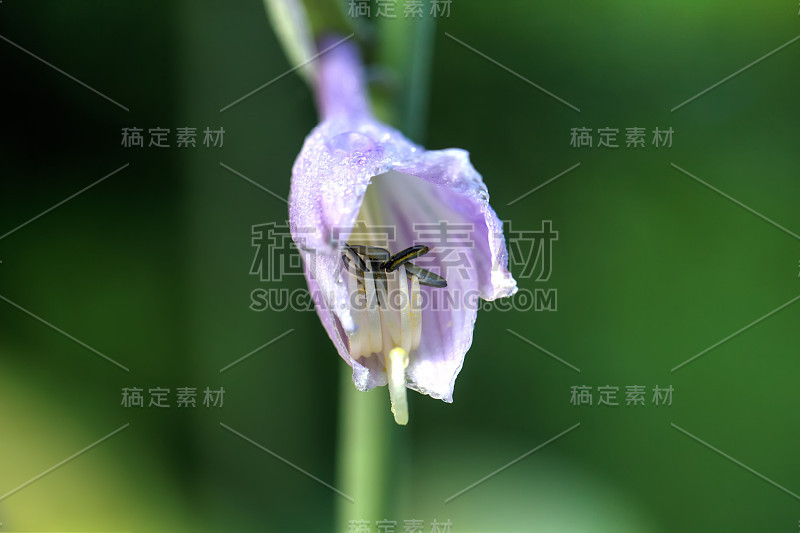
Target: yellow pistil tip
(396,363)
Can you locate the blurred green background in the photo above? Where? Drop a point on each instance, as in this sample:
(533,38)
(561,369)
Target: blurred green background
(151,268)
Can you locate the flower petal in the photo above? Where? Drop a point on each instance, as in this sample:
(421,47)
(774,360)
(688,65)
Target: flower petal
(339,160)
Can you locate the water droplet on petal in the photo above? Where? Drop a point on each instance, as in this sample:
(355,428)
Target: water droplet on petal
(349,143)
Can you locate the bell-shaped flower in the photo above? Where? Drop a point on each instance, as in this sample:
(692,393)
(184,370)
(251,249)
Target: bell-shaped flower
(399,243)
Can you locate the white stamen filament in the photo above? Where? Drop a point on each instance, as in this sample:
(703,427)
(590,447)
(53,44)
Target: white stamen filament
(373,316)
(385,330)
(406,335)
(389,316)
(358,315)
(396,363)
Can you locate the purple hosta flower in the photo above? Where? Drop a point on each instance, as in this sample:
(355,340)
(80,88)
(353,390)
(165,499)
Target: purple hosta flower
(360,182)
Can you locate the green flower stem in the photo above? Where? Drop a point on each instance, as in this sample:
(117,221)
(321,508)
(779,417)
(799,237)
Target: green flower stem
(406,50)
(368,465)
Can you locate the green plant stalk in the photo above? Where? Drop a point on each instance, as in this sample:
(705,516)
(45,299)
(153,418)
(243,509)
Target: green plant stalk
(372,449)
(406,51)
(364,466)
